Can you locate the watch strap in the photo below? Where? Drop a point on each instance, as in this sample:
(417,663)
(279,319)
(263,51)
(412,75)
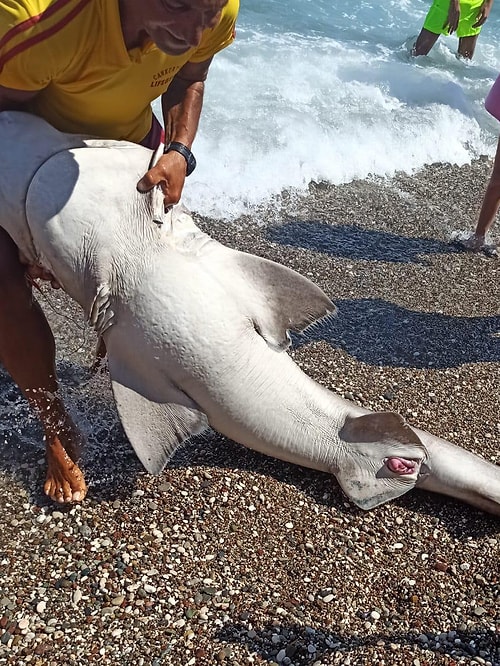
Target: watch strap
(185,152)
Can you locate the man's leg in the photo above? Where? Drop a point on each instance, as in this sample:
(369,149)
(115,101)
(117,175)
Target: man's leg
(27,351)
(466,46)
(425,42)
(476,241)
(491,200)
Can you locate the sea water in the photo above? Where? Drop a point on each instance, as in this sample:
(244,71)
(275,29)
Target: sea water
(327,91)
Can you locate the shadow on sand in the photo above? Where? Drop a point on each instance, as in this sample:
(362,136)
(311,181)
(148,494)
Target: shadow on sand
(296,640)
(378,332)
(356,243)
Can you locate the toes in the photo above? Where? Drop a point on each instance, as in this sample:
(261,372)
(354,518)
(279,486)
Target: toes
(54,491)
(65,482)
(65,492)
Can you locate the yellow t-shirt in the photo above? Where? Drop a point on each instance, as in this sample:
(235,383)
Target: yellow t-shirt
(74,50)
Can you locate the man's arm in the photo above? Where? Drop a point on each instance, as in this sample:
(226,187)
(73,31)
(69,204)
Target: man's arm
(453,17)
(483,13)
(181,104)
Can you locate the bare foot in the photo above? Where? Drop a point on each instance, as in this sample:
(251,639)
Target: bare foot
(474,243)
(478,244)
(468,239)
(65,482)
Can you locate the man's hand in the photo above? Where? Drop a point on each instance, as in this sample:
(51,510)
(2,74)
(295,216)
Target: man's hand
(169,173)
(483,13)
(453,17)
(36,272)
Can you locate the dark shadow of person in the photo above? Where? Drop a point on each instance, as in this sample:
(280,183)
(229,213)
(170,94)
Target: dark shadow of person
(308,644)
(353,242)
(377,332)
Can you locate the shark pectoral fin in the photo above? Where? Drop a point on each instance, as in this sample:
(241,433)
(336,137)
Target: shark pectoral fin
(156,429)
(381,458)
(279,298)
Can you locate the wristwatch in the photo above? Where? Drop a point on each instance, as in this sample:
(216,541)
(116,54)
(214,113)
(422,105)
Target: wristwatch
(185,152)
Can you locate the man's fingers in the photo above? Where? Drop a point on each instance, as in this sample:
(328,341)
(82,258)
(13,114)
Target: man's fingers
(35,272)
(155,176)
(481,18)
(451,23)
(147,182)
(169,176)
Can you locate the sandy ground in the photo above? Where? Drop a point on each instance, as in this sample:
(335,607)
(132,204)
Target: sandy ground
(231,557)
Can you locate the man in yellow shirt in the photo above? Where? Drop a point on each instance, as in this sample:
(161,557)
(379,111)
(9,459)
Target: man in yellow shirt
(93,67)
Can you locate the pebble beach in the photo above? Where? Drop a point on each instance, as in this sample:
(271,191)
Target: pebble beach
(233,558)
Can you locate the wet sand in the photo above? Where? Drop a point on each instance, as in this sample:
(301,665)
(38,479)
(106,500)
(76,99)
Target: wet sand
(231,557)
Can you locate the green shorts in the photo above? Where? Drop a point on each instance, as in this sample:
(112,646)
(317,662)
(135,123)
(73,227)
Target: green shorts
(438,15)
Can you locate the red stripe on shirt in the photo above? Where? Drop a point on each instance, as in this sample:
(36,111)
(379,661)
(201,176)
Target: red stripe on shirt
(33,20)
(46,33)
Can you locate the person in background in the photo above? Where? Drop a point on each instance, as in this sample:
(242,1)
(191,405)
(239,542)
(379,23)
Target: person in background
(476,241)
(93,67)
(445,17)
